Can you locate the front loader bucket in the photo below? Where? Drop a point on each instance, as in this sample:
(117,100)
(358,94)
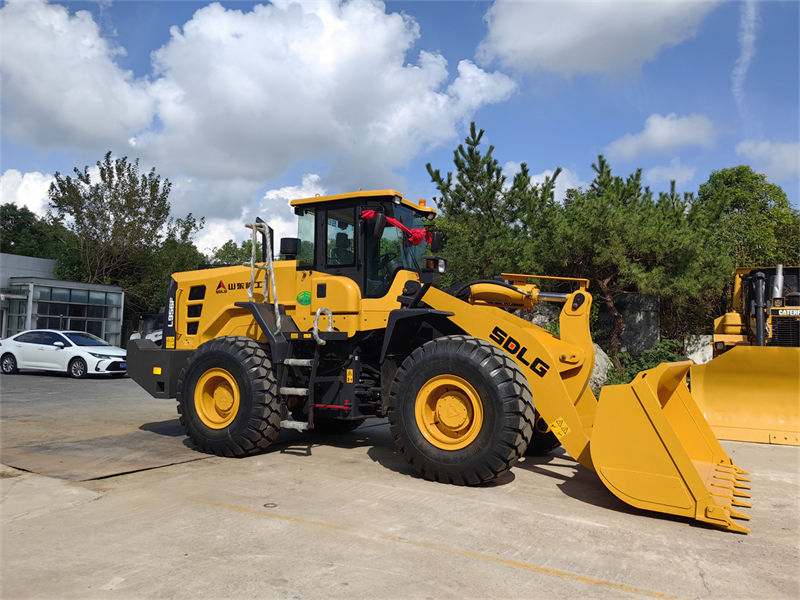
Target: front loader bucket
(751,394)
(654,450)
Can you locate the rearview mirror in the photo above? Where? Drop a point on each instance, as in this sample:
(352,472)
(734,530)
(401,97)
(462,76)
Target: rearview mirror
(58,344)
(379,225)
(436,241)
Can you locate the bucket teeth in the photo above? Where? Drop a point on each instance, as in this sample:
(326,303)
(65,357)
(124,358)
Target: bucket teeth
(739,503)
(738,515)
(741,486)
(730,471)
(741,494)
(720,515)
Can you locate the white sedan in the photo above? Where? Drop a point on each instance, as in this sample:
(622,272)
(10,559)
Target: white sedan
(76,352)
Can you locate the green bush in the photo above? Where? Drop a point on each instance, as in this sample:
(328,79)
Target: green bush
(630,366)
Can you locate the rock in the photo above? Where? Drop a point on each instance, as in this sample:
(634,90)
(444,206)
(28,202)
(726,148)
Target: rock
(698,348)
(600,372)
(542,314)
(642,317)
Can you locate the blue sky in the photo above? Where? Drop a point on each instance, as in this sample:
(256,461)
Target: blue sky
(245,106)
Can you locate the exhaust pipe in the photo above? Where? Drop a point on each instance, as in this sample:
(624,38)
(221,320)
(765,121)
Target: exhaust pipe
(777,283)
(759,283)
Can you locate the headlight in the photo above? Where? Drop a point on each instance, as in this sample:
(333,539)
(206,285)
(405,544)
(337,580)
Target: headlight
(105,356)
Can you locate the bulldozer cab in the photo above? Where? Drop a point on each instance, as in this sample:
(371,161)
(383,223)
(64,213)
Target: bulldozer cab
(336,237)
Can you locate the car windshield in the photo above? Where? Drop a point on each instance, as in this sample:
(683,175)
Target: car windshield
(80,338)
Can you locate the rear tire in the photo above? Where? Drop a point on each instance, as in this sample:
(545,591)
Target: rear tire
(9,364)
(460,411)
(77,369)
(227,398)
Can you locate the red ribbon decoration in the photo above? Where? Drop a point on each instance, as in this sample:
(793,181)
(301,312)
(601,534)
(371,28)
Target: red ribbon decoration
(415,236)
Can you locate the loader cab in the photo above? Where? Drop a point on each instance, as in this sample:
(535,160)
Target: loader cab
(337,238)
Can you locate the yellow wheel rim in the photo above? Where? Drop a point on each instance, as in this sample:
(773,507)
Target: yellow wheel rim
(216,398)
(449,412)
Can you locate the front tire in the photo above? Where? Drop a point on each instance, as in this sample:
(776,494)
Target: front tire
(9,364)
(460,411)
(227,398)
(78,369)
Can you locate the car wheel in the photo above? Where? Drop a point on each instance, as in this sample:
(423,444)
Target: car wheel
(78,369)
(9,364)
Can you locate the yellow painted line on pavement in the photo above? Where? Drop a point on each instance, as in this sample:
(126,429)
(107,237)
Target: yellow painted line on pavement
(476,555)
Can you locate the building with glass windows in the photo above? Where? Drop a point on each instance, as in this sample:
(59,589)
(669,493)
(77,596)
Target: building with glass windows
(30,298)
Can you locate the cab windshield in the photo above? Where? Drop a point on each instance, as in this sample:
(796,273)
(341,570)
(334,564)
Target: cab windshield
(390,254)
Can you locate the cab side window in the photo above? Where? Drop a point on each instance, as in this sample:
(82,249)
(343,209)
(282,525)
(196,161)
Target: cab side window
(341,237)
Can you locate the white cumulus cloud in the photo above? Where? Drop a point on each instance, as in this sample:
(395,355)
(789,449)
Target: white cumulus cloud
(29,190)
(273,208)
(662,134)
(61,86)
(579,37)
(240,98)
(677,172)
(780,161)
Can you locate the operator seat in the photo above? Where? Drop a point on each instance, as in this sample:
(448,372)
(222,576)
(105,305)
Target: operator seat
(341,253)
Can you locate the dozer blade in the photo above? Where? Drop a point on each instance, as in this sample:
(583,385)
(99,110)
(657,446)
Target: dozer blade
(751,394)
(654,450)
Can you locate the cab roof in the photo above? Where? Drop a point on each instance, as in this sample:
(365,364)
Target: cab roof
(421,208)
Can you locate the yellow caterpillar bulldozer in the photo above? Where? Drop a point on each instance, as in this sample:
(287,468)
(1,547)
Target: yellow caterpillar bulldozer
(750,391)
(348,326)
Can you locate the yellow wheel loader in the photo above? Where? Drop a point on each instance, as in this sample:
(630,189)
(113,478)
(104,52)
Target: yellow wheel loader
(348,326)
(750,391)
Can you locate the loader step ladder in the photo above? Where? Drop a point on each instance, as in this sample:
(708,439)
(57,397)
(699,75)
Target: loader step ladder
(307,363)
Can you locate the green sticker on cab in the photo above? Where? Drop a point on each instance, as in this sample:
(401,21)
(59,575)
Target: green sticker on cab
(304,298)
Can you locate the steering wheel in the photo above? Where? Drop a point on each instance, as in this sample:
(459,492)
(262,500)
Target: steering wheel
(385,259)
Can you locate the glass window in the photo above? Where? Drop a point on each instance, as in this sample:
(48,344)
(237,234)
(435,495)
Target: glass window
(32,337)
(41,322)
(94,327)
(95,312)
(51,338)
(85,339)
(56,323)
(20,323)
(112,326)
(97,297)
(113,298)
(341,233)
(77,324)
(79,296)
(77,310)
(58,309)
(384,259)
(41,292)
(60,295)
(305,231)
(112,312)
(14,307)
(113,339)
